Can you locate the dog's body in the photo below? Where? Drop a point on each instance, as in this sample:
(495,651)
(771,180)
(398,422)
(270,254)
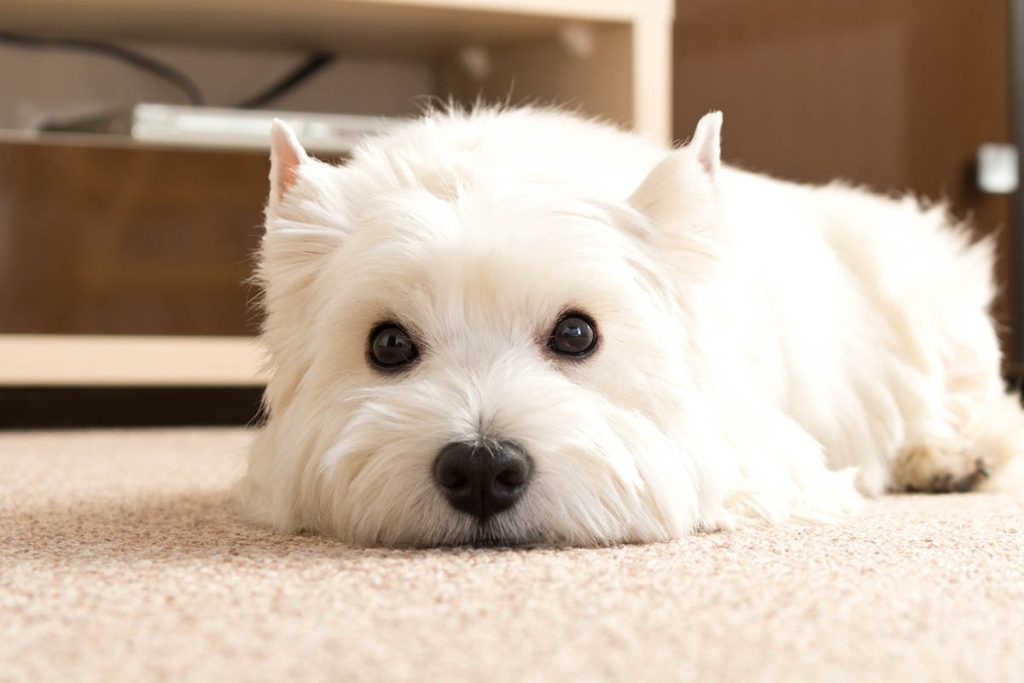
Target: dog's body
(760,349)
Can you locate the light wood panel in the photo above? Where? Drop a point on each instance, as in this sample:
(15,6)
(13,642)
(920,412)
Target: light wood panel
(82,360)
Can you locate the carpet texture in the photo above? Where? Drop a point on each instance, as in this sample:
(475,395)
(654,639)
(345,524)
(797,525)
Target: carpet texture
(121,558)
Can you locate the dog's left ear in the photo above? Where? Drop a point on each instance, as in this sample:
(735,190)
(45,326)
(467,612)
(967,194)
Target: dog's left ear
(687,174)
(706,143)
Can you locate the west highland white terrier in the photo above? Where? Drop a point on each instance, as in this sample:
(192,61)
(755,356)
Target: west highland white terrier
(521,327)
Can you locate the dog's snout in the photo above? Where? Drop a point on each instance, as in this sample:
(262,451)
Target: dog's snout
(482,479)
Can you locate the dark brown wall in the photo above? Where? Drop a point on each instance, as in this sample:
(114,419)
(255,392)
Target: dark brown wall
(896,94)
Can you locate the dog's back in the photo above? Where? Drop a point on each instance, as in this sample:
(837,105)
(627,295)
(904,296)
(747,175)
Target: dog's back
(881,321)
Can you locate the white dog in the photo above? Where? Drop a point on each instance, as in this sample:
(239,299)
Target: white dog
(523,327)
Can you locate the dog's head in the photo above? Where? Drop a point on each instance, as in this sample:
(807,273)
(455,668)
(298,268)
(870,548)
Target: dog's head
(469,351)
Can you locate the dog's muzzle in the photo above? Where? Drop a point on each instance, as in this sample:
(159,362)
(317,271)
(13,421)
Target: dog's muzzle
(482,479)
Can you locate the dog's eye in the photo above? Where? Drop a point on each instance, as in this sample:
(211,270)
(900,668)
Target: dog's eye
(574,335)
(391,347)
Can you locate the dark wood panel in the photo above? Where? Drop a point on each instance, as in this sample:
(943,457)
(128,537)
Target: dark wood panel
(77,407)
(894,94)
(101,240)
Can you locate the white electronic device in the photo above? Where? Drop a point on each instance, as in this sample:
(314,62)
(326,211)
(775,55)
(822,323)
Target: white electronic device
(241,128)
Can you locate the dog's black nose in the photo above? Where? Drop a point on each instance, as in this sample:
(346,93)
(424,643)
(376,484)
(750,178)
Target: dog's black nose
(482,479)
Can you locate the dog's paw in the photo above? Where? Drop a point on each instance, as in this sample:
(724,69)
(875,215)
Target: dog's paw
(939,468)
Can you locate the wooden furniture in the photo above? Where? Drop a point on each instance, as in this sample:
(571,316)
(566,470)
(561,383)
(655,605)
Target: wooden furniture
(606,57)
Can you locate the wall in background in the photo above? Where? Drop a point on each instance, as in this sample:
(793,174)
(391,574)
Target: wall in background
(894,94)
(36,82)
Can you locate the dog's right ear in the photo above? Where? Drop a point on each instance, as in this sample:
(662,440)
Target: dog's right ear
(286,158)
(305,193)
(307,219)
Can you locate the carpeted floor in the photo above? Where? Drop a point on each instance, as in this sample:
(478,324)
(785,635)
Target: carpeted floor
(122,559)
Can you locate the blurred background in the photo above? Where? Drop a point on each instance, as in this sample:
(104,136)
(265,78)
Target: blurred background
(133,140)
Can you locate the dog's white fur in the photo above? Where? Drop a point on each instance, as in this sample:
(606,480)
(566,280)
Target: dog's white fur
(766,347)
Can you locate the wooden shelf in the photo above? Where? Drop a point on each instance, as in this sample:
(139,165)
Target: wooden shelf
(627,79)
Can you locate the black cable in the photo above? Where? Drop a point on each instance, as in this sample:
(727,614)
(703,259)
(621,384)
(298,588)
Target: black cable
(136,59)
(313,64)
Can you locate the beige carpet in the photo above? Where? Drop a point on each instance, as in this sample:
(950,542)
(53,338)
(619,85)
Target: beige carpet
(122,559)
